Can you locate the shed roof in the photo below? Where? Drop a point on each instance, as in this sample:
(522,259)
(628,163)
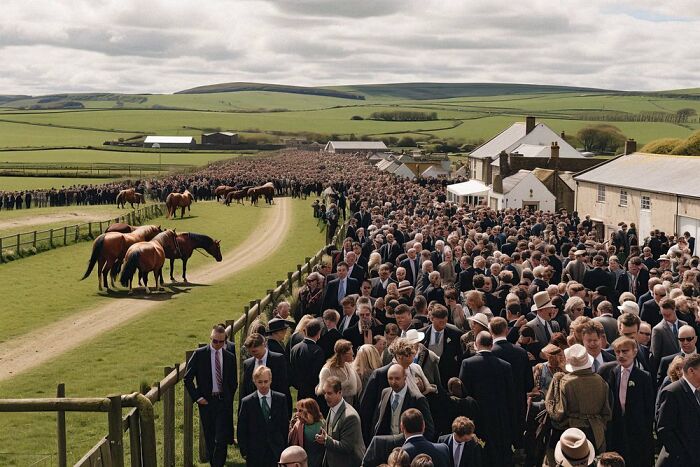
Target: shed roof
(514,138)
(169,139)
(659,173)
(472,187)
(358,145)
(227,133)
(510,182)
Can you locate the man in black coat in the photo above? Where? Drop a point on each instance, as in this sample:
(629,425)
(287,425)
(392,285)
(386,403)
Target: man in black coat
(412,266)
(443,339)
(332,334)
(339,288)
(597,277)
(376,383)
(263,422)
(365,329)
(413,426)
(354,270)
(379,449)
(630,432)
(634,280)
(211,380)
(261,356)
(380,284)
(466,278)
(489,380)
(306,360)
(650,311)
(363,217)
(464,450)
(678,418)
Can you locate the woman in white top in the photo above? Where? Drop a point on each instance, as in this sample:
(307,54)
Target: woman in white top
(340,365)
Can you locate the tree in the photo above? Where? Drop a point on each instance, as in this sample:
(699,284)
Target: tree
(683,114)
(601,138)
(661,146)
(689,146)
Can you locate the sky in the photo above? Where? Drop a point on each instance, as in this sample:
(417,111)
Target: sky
(163,46)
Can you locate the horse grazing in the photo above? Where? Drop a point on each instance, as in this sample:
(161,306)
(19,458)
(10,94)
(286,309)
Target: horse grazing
(223,191)
(130,196)
(267,190)
(146,257)
(109,249)
(239,196)
(178,200)
(187,242)
(120,227)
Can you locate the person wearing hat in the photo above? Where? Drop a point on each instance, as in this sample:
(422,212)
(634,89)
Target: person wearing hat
(542,324)
(578,399)
(574,450)
(576,268)
(276,332)
(405,292)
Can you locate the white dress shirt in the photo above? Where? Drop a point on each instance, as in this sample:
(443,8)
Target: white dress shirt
(262,361)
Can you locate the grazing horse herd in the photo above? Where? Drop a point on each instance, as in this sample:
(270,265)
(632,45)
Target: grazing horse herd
(229,193)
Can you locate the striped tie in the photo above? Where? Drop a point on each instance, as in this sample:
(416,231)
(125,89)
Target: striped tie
(217,369)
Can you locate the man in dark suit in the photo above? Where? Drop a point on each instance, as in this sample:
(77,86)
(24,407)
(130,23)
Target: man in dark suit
(630,431)
(412,266)
(211,380)
(678,418)
(263,422)
(332,335)
(628,325)
(365,329)
(339,288)
(396,399)
(412,427)
(354,270)
(376,383)
(664,336)
(592,334)
(306,360)
(687,338)
(634,280)
(597,277)
(443,339)
(348,317)
(464,450)
(466,277)
(261,356)
(489,380)
(650,311)
(379,449)
(380,284)
(604,315)
(363,217)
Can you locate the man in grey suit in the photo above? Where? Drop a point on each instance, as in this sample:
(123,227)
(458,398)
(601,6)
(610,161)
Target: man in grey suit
(543,325)
(664,336)
(604,315)
(342,433)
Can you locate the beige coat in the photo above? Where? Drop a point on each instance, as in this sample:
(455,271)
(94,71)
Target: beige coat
(350,380)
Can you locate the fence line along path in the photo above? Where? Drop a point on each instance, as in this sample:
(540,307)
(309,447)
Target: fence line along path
(21,354)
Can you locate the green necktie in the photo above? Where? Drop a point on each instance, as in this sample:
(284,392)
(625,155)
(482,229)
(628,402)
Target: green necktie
(265,408)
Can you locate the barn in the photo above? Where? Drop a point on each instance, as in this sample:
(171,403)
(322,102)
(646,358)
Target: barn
(220,138)
(352,147)
(185,142)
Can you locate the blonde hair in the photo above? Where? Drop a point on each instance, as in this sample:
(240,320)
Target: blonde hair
(367,360)
(301,326)
(477,297)
(336,360)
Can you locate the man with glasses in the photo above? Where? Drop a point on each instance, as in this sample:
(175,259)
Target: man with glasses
(211,380)
(687,338)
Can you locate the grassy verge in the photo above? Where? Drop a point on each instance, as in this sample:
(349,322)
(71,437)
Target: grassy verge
(136,353)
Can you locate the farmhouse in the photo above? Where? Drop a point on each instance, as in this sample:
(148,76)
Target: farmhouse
(654,191)
(351,147)
(426,165)
(169,141)
(220,138)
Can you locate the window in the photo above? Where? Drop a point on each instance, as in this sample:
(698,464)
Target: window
(601,193)
(646,203)
(623,198)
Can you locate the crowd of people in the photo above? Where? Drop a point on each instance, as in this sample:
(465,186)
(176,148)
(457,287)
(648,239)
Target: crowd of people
(448,335)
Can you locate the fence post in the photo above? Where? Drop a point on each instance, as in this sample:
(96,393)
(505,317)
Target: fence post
(51,238)
(90,229)
(18,235)
(77,232)
(188,422)
(2,258)
(61,428)
(34,240)
(299,271)
(115,436)
(168,423)
(101,227)
(65,235)
(135,438)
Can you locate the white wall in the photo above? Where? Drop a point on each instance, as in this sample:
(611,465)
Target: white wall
(521,193)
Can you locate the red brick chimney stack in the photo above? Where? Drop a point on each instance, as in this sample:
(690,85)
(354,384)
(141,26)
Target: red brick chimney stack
(630,146)
(529,124)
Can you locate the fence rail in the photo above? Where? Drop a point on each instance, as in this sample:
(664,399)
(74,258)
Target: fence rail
(19,243)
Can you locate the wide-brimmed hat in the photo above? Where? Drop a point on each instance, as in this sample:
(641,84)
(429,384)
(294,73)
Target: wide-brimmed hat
(664,258)
(577,358)
(580,252)
(480,318)
(277,324)
(405,286)
(629,307)
(551,349)
(541,300)
(574,449)
(414,336)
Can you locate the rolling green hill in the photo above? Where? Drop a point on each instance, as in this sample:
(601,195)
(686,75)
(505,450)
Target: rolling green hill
(240,87)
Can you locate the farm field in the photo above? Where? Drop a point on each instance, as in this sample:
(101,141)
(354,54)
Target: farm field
(38,183)
(93,156)
(161,337)
(26,220)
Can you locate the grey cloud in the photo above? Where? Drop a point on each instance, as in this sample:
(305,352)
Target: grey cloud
(343,8)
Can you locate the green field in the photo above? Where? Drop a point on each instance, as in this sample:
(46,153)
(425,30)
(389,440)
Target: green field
(137,351)
(28,220)
(38,183)
(88,156)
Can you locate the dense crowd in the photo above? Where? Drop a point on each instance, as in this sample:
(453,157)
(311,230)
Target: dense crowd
(451,335)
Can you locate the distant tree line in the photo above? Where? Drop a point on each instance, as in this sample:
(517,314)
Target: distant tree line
(403,116)
(601,138)
(680,116)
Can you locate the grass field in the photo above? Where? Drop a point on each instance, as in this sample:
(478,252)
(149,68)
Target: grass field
(27,220)
(137,352)
(37,183)
(88,156)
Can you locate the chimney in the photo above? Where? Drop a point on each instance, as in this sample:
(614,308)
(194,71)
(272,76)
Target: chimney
(563,136)
(504,164)
(630,146)
(529,124)
(554,156)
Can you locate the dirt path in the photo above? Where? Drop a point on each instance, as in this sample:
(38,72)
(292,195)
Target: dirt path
(22,354)
(31,221)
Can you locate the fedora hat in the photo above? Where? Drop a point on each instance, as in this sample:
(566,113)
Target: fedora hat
(414,336)
(541,300)
(405,286)
(480,318)
(664,258)
(277,324)
(577,358)
(629,307)
(574,449)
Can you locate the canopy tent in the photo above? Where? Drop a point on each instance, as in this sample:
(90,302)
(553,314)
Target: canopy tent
(471,192)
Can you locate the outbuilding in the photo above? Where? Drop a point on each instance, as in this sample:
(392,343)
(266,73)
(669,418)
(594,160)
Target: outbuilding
(352,147)
(220,138)
(186,142)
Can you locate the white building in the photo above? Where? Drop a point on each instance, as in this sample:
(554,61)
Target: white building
(472,192)
(169,141)
(523,190)
(351,147)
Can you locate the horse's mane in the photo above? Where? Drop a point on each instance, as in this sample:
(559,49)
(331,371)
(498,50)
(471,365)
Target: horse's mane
(145,228)
(160,236)
(204,240)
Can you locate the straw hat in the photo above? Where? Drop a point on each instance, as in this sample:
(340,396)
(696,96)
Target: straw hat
(577,358)
(629,307)
(405,286)
(541,300)
(414,336)
(573,449)
(480,318)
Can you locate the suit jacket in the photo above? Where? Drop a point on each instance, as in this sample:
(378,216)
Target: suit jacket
(471,452)
(364,219)
(277,364)
(370,398)
(438,452)
(306,360)
(641,286)
(610,326)
(328,340)
(344,445)
(379,449)
(378,290)
(522,376)
(358,273)
(451,356)
(330,299)
(354,318)
(631,432)
(650,312)
(354,335)
(262,441)
(410,277)
(435,293)
(540,332)
(662,371)
(663,342)
(596,277)
(412,400)
(466,278)
(678,426)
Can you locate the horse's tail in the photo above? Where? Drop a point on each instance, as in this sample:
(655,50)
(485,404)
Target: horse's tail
(96,250)
(168,202)
(120,196)
(132,263)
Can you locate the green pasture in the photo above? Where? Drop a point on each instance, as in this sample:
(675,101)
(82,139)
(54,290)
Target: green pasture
(136,352)
(90,156)
(28,220)
(14,135)
(38,183)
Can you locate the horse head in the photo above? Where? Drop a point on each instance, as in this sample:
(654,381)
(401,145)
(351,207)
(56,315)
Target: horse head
(215,250)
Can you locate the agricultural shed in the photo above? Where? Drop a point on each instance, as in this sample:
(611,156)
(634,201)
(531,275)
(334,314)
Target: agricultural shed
(350,147)
(220,138)
(169,141)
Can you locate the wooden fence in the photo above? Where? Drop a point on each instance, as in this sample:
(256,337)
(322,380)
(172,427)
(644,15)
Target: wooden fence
(51,238)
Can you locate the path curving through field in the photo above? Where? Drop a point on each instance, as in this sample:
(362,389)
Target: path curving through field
(23,353)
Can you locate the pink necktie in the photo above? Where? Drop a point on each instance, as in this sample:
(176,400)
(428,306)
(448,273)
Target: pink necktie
(624,379)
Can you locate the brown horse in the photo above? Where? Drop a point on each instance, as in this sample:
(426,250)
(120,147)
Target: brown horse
(223,190)
(267,190)
(187,243)
(177,200)
(146,257)
(109,249)
(239,196)
(130,196)
(120,227)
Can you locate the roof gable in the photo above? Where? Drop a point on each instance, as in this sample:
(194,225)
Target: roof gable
(534,144)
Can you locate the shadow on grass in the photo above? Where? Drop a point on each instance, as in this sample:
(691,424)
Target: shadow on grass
(169,290)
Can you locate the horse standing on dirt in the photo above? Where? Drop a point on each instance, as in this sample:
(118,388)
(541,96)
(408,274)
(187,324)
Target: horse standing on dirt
(120,227)
(147,257)
(130,196)
(267,190)
(239,196)
(108,251)
(223,191)
(178,200)
(187,242)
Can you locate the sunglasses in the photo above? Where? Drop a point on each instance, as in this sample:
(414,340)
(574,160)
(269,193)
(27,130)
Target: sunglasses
(686,339)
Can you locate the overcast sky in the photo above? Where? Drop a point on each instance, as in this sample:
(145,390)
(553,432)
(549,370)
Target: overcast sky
(163,46)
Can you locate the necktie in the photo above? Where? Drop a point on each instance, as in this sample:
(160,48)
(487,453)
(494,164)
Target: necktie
(341,291)
(217,369)
(258,363)
(458,454)
(622,392)
(596,365)
(675,330)
(438,335)
(395,403)
(265,408)
(697,395)
(546,331)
